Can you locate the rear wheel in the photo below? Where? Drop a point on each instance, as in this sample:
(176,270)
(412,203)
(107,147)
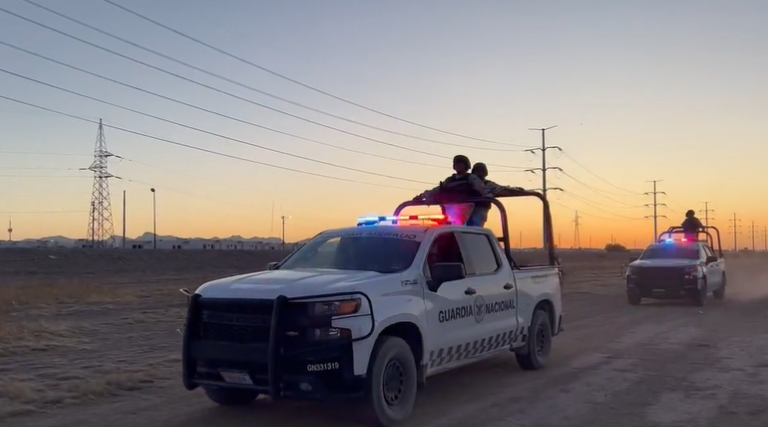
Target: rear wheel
(231,396)
(720,292)
(535,354)
(634,298)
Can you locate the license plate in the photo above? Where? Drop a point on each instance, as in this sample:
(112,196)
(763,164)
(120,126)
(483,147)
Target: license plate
(234,377)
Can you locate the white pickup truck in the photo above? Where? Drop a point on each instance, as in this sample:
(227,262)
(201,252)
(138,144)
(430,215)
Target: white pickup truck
(370,312)
(678,266)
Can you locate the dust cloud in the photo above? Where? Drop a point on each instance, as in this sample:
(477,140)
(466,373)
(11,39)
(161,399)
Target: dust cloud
(747,276)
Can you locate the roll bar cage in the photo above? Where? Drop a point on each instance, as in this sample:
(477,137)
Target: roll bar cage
(704,230)
(447,200)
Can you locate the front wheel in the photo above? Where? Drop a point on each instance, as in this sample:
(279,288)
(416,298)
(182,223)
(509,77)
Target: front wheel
(700,296)
(231,396)
(720,292)
(535,354)
(392,381)
(634,298)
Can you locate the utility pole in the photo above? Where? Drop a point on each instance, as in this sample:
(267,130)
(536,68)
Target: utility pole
(283,218)
(706,212)
(752,234)
(272,220)
(544,168)
(765,238)
(734,226)
(576,231)
(655,206)
(123,219)
(520,240)
(154,218)
(10,231)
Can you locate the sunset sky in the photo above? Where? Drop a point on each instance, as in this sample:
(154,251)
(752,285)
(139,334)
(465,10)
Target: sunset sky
(640,90)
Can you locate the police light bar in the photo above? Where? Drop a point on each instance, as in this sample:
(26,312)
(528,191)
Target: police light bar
(376,220)
(676,240)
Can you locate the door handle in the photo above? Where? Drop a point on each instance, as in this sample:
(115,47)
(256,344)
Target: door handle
(470,291)
(509,286)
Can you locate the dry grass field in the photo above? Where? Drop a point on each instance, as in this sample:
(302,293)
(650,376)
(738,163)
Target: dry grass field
(89,338)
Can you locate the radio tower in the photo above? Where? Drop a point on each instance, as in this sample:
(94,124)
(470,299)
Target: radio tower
(576,234)
(10,230)
(100,227)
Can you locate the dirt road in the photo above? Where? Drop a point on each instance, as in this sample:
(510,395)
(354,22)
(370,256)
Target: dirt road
(660,364)
(104,351)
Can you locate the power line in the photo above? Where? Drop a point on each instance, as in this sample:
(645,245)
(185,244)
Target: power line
(582,213)
(43,176)
(634,193)
(204,150)
(212,88)
(598,191)
(40,212)
(235,82)
(307,86)
(543,169)
(225,115)
(590,203)
(42,153)
(240,141)
(36,168)
(655,206)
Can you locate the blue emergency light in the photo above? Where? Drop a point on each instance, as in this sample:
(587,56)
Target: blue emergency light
(372,221)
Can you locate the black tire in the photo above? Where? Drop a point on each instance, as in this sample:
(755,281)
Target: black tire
(392,381)
(700,297)
(634,298)
(720,292)
(535,354)
(231,396)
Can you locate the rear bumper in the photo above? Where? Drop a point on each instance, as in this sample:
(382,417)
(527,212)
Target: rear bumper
(274,367)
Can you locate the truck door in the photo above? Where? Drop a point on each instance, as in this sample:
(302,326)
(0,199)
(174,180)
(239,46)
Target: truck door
(496,302)
(714,270)
(450,308)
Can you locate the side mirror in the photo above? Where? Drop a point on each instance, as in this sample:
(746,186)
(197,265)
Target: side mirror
(446,272)
(272,265)
(711,259)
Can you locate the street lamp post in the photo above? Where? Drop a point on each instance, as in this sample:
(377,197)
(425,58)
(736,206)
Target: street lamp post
(154,218)
(283,218)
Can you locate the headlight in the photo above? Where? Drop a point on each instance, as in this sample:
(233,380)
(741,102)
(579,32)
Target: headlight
(343,307)
(692,270)
(631,271)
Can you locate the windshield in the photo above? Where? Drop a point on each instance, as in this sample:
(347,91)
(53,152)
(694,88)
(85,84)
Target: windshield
(383,254)
(671,251)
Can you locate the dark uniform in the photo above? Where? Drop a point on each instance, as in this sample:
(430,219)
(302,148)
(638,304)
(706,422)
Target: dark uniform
(691,226)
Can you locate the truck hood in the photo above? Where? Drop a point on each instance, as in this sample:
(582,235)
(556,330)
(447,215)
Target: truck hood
(290,283)
(665,263)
